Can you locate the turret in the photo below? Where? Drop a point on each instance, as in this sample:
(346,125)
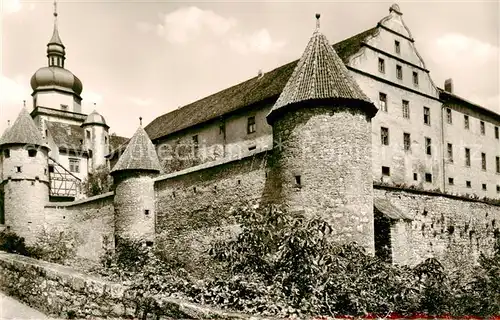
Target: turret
(133,177)
(321,162)
(25,178)
(96,139)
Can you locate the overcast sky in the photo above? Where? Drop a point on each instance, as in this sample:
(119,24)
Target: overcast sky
(144,59)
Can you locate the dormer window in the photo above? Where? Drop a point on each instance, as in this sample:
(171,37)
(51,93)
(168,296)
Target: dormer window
(64,107)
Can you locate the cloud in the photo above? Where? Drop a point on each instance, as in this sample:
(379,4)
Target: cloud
(189,23)
(258,42)
(141,102)
(455,47)
(10,6)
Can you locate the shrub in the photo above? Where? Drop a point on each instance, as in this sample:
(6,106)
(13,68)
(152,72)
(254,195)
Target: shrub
(98,182)
(12,243)
(54,246)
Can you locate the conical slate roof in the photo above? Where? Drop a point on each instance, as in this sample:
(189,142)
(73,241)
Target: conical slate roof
(319,74)
(140,154)
(23,131)
(55,37)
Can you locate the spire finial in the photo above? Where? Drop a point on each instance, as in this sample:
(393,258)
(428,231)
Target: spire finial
(55,9)
(8,123)
(317,20)
(140,121)
(24,103)
(95,104)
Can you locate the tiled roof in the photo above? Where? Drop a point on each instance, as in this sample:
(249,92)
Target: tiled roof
(23,131)
(319,74)
(446,96)
(67,136)
(116,142)
(268,86)
(140,154)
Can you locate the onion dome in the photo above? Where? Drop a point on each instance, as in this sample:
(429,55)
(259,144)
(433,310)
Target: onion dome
(94,118)
(55,76)
(23,131)
(320,76)
(140,155)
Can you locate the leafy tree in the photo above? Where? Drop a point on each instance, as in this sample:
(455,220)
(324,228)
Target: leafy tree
(98,182)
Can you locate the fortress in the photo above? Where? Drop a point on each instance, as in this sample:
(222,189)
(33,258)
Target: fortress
(414,175)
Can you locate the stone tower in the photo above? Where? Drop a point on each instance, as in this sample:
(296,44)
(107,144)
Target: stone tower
(321,162)
(134,189)
(96,139)
(24,177)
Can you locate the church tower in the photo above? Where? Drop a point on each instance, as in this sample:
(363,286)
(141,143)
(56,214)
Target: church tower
(24,179)
(56,91)
(134,189)
(321,162)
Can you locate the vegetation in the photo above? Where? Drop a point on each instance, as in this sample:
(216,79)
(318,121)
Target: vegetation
(285,265)
(98,182)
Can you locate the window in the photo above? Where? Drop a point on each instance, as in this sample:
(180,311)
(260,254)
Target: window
(427,116)
(406,109)
(384,136)
(381,65)
(382,97)
(88,134)
(51,168)
(251,125)
(415,78)
(222,129)
(195,142)
(32,153)
(483,130)
(466,122)
(64,106)
(146,212)
(407,141)
(498,164)
(498,188)
(415,176)
(483,161)
(451,181)
(386,171)
(450,152)
(6,153)
(428,146)
(467,157)
(449,118)
(298,181)
(468,184)
(397,47)
(74,165)
(19,169)
(428,177)
(496,133)
(252,148)
(484,187)
(399,72)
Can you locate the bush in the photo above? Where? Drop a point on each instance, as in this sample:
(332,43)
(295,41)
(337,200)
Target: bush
(56,246)
(98,182)
(12,243)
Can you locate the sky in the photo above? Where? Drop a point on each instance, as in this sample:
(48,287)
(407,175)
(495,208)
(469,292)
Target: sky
(146,58)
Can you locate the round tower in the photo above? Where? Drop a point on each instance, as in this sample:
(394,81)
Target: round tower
(321,163)
(133,176)
(96,139)
(25,177)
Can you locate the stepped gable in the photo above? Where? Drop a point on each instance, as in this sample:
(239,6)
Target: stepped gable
(140,154)
(320,74)
(23,131)
(266,87)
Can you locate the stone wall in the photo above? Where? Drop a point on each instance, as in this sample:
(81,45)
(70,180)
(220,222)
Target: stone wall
(63,292)
(194,206)
(445,227)
(91,220)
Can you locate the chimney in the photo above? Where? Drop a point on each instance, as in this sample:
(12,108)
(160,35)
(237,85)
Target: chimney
(448,85)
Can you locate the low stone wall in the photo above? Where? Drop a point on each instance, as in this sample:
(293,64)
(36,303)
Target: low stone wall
(64,292)
(91,220)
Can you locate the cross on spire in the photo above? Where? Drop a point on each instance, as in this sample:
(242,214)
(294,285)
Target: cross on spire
(140,121)
(317,20)
(55,8)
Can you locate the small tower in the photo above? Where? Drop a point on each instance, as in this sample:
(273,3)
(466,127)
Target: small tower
(134,189)
(321,162)
(96,139)
(25,177)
